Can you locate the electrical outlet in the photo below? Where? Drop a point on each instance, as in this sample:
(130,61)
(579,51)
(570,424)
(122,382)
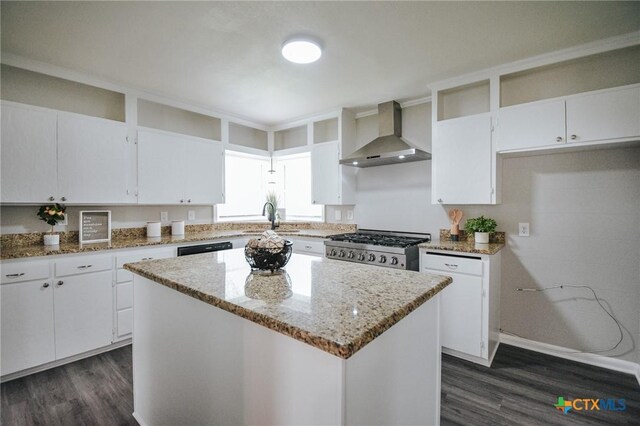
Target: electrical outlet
(523,229)
(164,216)
(337,215)
(349,214)
(191,215)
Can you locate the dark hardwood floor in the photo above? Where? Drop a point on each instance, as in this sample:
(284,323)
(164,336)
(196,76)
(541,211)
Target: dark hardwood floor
(520,388)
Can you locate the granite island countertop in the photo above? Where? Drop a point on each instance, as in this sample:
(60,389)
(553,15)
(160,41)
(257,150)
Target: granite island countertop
(133,240)
(338,307)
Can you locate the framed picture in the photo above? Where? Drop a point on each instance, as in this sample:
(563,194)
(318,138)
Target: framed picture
(95,226)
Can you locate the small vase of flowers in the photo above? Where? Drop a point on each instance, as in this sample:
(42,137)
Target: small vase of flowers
(52,214)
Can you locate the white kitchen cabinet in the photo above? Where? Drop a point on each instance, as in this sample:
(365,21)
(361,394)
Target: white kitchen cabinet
(469,306)
(531,125)
(92,160)
(311,246)
(462,161)
(27,325)
(83,313)
(604,115)
(331,183)
(29,159)
(178,169)
(123,307)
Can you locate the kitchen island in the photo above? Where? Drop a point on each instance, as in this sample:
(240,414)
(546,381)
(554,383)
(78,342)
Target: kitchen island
(326,342)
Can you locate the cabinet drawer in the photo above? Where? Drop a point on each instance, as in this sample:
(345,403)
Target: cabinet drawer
(81,265)
(306,246)
(137,256)
(24,271)
(461,265)
(122,276)
(124,296)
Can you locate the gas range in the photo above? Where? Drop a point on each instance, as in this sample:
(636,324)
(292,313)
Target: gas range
(383,248)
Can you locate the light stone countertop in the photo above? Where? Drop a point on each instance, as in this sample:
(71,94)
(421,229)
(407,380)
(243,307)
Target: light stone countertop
(336,306)
(463,247)
(123,242)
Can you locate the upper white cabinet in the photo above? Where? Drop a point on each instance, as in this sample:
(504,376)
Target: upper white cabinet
(325,176)
(29,159)
(92,160)
(461,166)
(52,156)
(178,169)
(605,115)
(611,114)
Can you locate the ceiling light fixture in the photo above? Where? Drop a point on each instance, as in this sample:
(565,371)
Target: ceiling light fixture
(301,50)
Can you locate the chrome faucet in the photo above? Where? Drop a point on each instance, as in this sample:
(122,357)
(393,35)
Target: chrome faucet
(273,216)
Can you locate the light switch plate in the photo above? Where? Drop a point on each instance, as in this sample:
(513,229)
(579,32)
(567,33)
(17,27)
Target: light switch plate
(337,215)
(349,214)
(523,229)
(191,215)
(164,216)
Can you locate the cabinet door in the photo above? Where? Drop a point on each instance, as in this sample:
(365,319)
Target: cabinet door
(161,175)
(461,165)
(84,313)
(27,325)
(461,314)
(605,115)
(204,171)
(529,126)
(29,164)
(92,159)
(325,173)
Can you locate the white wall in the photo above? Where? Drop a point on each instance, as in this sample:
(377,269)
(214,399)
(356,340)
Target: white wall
(584,211)
(21,219)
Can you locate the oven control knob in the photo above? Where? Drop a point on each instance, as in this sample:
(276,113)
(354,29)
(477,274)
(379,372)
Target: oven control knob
(342,253)
(372,257)
(332,252)
(351,255)
(361,257)
(383,258)
(394,260)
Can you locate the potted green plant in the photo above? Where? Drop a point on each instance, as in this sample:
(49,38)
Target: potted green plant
(52,214)
(482,227)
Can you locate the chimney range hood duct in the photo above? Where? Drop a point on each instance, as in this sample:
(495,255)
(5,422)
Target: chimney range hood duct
(388,147)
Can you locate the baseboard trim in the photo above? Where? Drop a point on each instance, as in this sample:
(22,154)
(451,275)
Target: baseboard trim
(138,419)
(63,361)
(609,363)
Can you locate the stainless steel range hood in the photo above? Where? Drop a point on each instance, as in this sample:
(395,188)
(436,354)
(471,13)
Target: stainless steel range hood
(388,147)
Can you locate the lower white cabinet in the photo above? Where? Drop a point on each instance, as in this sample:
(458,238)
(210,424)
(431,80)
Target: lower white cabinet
(312,246)
(469,306)
(26,325)
(83,312)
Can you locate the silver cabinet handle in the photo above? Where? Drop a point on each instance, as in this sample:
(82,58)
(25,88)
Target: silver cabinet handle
(574,137)
(84,266)
(439,200)
(59,283)
(559,139)
(182,201)
(51,198)
(15,275)
(147,258)
(63,199)
(189,200)
(451,266)
(307,247)
(45,285)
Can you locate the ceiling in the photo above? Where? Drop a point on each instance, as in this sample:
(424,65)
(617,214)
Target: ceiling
(226,55)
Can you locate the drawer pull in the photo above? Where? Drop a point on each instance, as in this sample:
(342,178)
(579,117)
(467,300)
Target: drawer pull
(307,247)
(451,266)
(59,283)
(15,275)
(45,285)
(84,266)
(147,258)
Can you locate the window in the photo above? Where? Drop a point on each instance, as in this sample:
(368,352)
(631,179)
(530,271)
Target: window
(293,185)
(248,180)
(245,187)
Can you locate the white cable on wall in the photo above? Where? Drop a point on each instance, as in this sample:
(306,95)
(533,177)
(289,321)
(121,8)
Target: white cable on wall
(599,303)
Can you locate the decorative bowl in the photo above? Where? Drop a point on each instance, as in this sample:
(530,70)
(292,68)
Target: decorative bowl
(268,259)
